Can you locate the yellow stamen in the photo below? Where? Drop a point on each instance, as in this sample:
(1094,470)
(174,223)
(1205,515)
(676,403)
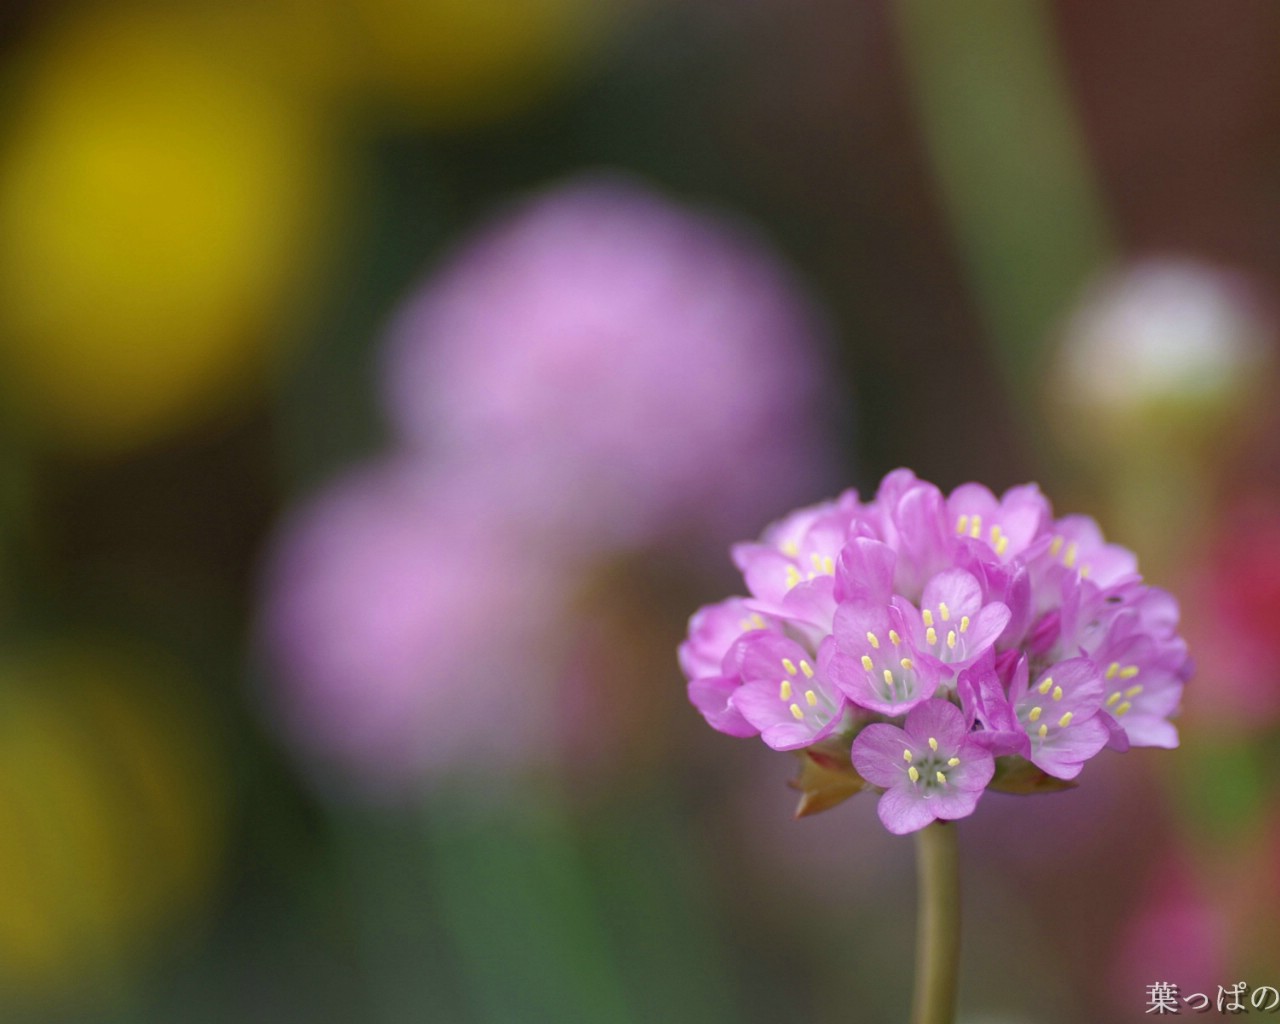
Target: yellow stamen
(1065,720)
(913,773)
(995,533)
(927,616)
(828,565)
(806,668)
(907,664)
(931,635)
(906,755)
(1057,693)
(1112,669)
(1056,546)
(941,778)
(894,638)
(888,678)
(816,560)
(964,623)
(784,690)
(1044,730)
(796,713)
(1129,672)
(789,665)
(1123,708)
(757,620)
(811,698)
(962,524)
(1002,545)
(975,526)
(873,640)
(1035,713)
(1133,691)
(793,576)
(791,548)
(1084,571)
(1069,556)
(951,638)
(952,762)
(867,663)
(1046,685)
(1113,698)
(944,611)
(933,743)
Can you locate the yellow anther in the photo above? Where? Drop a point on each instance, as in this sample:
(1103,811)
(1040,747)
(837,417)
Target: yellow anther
(894,638)
(1002,545)
(796,713)
(1084,571)
(1129,671)
(951,638)
(907,664)
(1133,691)
(816,560)
(1123,708)
(784,690)
(1065,720)
(952,762)
(806,668)
(757,620)
(789,665)
(995,533)
(1044,730)
(927,616)
(941,777)
(1035,713)
(964,623)
(1046,685)
(1113,698)
(867,663)
(1057,693)
(962,524)
(1056,546)
(791,548)
(933,743)
(873,640)
(913,773)
(828,565)
(944,611)
(793,576)
(975,526)
(888,678)
(1112,669)
(906,755)
(811,698)
(931,635)
(1069,556)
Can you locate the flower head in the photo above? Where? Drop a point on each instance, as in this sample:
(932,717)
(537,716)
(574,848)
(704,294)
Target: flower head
(954,642)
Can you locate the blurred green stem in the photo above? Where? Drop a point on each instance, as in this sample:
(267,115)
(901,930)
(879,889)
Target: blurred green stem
(937,925)
(1013,169)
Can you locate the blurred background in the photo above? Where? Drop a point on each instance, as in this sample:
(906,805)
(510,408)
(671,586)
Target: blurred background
(383,382)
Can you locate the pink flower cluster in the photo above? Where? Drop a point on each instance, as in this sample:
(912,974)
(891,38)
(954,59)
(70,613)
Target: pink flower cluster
(941,637)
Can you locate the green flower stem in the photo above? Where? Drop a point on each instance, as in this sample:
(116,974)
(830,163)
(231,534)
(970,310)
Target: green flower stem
(937,925)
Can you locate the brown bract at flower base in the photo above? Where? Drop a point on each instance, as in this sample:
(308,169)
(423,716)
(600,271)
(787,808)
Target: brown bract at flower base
(826,778)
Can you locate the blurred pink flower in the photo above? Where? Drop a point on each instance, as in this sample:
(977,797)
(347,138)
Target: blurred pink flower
(646,370)
(408,623)
(1234,608)
(1178,935)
